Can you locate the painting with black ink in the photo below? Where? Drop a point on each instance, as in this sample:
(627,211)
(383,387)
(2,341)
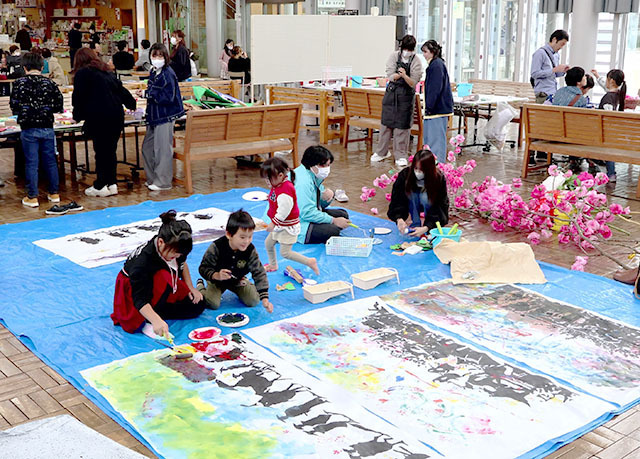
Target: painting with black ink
(597,354)
(237,400)
(458,399)
(109,245)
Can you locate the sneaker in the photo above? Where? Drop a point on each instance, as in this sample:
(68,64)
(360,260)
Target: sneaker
(113,189)
(57,210)
(612,178)
(154,187)
(402,162)
(341,196)
(1,182)
(30,202)
(200,284)
(101,193)
(55,197)
(73,207)
(377,158)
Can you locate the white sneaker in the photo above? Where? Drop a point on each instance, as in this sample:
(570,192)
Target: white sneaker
(341,196)
(101,193)
(154,187)
(402,162)
(377,158)
(113,189)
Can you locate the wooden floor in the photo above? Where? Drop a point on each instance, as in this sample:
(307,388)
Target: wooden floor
(30,390)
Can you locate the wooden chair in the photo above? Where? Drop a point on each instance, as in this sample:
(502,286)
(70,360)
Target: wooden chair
(323,100)
(239,76)
(583,132)
(363,108)
(225,133)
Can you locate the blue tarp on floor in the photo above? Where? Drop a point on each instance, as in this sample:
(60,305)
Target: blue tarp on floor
(61,310)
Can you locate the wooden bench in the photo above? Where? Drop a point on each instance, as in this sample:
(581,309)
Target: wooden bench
(363,108)
(582,132)
(229,132)
(506,88)
(231,87)
(324,100)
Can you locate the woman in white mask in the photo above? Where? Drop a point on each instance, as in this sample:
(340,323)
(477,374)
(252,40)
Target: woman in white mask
(225,55)
(318,222)
(404,71)
(419,196)
(180,62)
(164,106)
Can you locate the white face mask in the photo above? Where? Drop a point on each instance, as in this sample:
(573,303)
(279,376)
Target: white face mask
(407,54)
(157,63)
(419,174)
(16,53)
(229,47)
(323,172)
(174,41)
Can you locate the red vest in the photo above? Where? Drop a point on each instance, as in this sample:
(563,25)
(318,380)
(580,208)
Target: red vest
(293,218)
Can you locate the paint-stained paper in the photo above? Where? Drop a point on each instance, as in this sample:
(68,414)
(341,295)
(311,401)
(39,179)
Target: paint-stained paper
(459,400)
(596,354)
(109,245)
(241,401)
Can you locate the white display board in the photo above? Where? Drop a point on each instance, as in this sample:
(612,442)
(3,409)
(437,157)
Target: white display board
(300,48)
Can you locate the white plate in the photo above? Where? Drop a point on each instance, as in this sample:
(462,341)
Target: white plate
(255,196)
(241,323)
(204,334)
(381,230)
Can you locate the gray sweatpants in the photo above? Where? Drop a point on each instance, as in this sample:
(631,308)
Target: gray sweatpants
(157,152)
(400,141)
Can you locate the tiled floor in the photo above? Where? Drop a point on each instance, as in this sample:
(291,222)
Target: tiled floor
(31,390)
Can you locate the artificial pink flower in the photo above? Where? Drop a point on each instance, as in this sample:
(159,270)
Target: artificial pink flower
(601,178)
(374,210)
(616,209)
(605,231)
(579,263)
(497,226)
(568,174)
(451,156)
(534,238)
(553,170)
(516,182)
(546,234)
(387,196)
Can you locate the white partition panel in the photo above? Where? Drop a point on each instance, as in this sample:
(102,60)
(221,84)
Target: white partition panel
(299,48)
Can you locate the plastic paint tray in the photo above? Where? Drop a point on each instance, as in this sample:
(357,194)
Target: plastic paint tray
(437,237)
(366,280)
(349,246)
(320,293)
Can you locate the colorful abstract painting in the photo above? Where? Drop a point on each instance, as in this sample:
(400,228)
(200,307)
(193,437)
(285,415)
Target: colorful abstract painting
(459,400)
(109,245)
(598,355)
(237,400)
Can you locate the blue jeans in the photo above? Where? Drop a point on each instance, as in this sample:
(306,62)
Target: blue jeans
(435,135)
(611,168)
(418,203)
(36,143)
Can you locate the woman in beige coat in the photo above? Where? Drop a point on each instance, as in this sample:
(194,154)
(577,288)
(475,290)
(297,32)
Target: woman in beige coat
(55,69)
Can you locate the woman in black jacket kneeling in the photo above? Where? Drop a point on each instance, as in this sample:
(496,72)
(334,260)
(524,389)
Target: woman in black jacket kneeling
(419,189)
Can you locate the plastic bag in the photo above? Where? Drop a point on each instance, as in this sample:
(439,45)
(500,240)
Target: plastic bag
(495,131)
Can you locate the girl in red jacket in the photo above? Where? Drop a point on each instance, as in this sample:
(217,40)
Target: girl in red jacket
(155,284)
(284,214)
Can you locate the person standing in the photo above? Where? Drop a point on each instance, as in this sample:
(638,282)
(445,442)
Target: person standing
(164,106)
(180,61)
(75,42)
(97,100)
(94,38)
(404,71)
(23,38)
(546,67)
(225,55)
(438,100)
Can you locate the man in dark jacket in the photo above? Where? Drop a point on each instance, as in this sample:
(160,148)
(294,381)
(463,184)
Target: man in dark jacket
(75,41)
(23,38)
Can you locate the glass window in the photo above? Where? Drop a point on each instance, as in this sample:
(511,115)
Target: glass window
(632,54)
(464,24)
(429,13)
(501,42)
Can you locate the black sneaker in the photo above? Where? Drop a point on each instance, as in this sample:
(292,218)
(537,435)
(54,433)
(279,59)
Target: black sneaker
(57,210)
(73,207)
(200,284)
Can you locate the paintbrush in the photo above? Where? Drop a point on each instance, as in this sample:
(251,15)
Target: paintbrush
(178,354)
(355,226)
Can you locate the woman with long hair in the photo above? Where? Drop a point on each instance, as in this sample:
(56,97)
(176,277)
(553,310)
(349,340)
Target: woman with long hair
(180,62)
(239,62)
(438,100)
(225,55)
(419,196)
(97,100)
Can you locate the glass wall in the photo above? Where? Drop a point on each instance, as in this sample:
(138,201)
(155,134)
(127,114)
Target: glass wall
(464,24)
(632,54)
(428,20)
(501,41)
